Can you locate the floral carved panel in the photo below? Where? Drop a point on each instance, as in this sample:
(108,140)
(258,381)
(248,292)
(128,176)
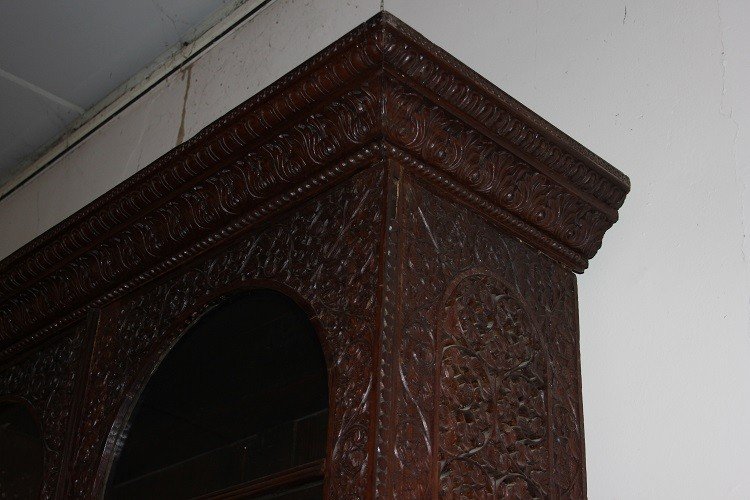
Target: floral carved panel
(325,253)
(46,380)
(487,395)
(492,413)
(428,222)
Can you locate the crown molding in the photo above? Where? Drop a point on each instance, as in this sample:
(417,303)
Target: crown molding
(380,91)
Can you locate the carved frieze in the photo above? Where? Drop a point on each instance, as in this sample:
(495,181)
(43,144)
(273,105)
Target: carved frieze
(430,224)
(382,83)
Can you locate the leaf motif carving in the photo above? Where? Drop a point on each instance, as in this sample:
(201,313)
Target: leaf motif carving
(310,252)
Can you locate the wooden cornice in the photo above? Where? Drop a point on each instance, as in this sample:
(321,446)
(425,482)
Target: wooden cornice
(380,91)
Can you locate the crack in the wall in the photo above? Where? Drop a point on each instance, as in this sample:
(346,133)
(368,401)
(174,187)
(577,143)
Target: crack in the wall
(181,132)
(726,110)
(130,167)
(722,110)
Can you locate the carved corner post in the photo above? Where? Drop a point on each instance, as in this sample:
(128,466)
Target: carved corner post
(491,210)
(429,223)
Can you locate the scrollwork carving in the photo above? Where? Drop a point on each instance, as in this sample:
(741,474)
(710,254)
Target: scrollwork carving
(46,380)
(311,252)
(331,107)
(493,414)
(388,188)
(497,112)
(281,162)
(484,168)
(487,394)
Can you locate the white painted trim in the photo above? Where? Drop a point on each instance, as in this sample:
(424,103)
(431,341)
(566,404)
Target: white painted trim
(212,30)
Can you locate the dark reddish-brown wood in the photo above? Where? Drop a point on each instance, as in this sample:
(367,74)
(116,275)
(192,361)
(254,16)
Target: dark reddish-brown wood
(301,474)
(429,224)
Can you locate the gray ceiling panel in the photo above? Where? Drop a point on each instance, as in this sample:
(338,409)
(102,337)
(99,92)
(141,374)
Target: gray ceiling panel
(28,120)
(73,53)
(81,50)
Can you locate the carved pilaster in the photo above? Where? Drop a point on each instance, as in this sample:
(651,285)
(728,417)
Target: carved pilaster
(485,391)
(46,379)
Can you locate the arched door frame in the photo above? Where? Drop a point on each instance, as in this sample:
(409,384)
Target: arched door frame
(184,324)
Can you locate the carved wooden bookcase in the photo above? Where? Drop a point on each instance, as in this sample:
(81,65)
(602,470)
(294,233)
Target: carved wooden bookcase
(430,224)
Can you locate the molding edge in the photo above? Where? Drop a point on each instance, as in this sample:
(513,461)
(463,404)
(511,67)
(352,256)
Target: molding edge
(373,93)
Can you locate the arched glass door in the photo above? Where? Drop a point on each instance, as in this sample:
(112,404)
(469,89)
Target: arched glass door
(238,407)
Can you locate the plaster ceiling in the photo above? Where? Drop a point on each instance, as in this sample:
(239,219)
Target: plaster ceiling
(60,58)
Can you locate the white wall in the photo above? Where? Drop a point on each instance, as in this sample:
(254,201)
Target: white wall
(660,91)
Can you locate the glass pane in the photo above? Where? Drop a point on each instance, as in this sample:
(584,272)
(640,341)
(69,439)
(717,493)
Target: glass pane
(21,453)
(244,394)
